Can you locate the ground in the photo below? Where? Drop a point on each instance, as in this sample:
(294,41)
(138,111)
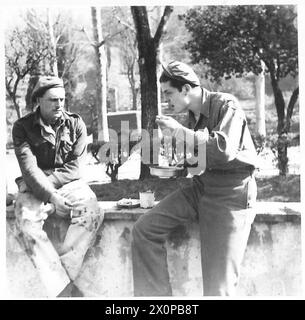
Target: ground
(273,188)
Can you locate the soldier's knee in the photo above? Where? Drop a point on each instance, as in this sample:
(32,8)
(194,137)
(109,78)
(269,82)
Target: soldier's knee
(140,229)
(32,230)
(97,218)
(30,220)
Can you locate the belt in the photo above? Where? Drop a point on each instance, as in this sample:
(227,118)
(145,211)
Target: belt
(247,169)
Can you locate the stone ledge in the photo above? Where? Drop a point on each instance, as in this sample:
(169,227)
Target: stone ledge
(271,212)
(278,212)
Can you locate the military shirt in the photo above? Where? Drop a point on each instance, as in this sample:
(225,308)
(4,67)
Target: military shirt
(49,158)
(222,127)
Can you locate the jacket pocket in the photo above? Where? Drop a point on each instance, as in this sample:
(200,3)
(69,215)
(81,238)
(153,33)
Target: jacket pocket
(65,149)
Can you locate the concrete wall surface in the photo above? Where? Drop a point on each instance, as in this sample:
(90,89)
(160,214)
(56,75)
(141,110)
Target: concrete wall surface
(271,266)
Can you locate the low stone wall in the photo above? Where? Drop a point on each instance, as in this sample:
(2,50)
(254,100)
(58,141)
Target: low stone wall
(271,267)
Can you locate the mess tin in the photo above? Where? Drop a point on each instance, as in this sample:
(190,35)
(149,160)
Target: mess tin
(166,172)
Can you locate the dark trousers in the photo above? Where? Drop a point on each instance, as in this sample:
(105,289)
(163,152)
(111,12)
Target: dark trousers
(223,205)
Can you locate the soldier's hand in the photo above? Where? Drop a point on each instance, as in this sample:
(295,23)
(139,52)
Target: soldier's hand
(62,205)
(22,187)
(165,122)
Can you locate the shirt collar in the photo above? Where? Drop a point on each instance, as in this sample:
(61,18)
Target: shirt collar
(38,120)
(205,107)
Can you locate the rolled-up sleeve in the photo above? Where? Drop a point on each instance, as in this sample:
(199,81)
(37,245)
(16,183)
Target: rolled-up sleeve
(225,139)
(33,176)
(72,168)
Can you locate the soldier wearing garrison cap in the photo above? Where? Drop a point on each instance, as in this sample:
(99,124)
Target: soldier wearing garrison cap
(220,198)
(50,145)
(181,72)
(43,84)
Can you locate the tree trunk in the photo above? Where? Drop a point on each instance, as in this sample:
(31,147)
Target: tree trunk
(260,105)
(28,97)
(135,90)
(291,104)
(282,142)
(98,98)
(148,81)
(282,154)
(54,66)
(148,47)
(134,98)
(132,82)
(149,98)
(103,133)
(100,123)
(17,108)
(12,93)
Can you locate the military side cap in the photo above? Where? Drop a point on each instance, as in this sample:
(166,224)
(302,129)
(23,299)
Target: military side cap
(45,83)
(181,72)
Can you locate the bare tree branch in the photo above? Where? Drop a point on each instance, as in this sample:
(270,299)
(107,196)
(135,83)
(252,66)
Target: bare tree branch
(167,11)
(87,36)
(127,25)
(110,36)
(38,25)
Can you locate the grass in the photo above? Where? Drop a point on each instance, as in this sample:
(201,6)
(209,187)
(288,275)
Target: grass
(277,188)
(286,189)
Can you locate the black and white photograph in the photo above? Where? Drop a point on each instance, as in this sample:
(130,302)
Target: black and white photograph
(152,151)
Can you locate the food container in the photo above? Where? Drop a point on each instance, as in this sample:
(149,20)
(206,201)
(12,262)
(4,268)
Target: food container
(166,172)
(128,203)
(147,199)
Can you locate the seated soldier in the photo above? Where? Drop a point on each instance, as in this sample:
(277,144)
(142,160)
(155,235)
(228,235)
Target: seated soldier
(50,145)
(221,198)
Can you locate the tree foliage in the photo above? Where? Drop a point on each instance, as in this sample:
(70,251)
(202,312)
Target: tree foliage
(24,51)
(29,53)
(233,40)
